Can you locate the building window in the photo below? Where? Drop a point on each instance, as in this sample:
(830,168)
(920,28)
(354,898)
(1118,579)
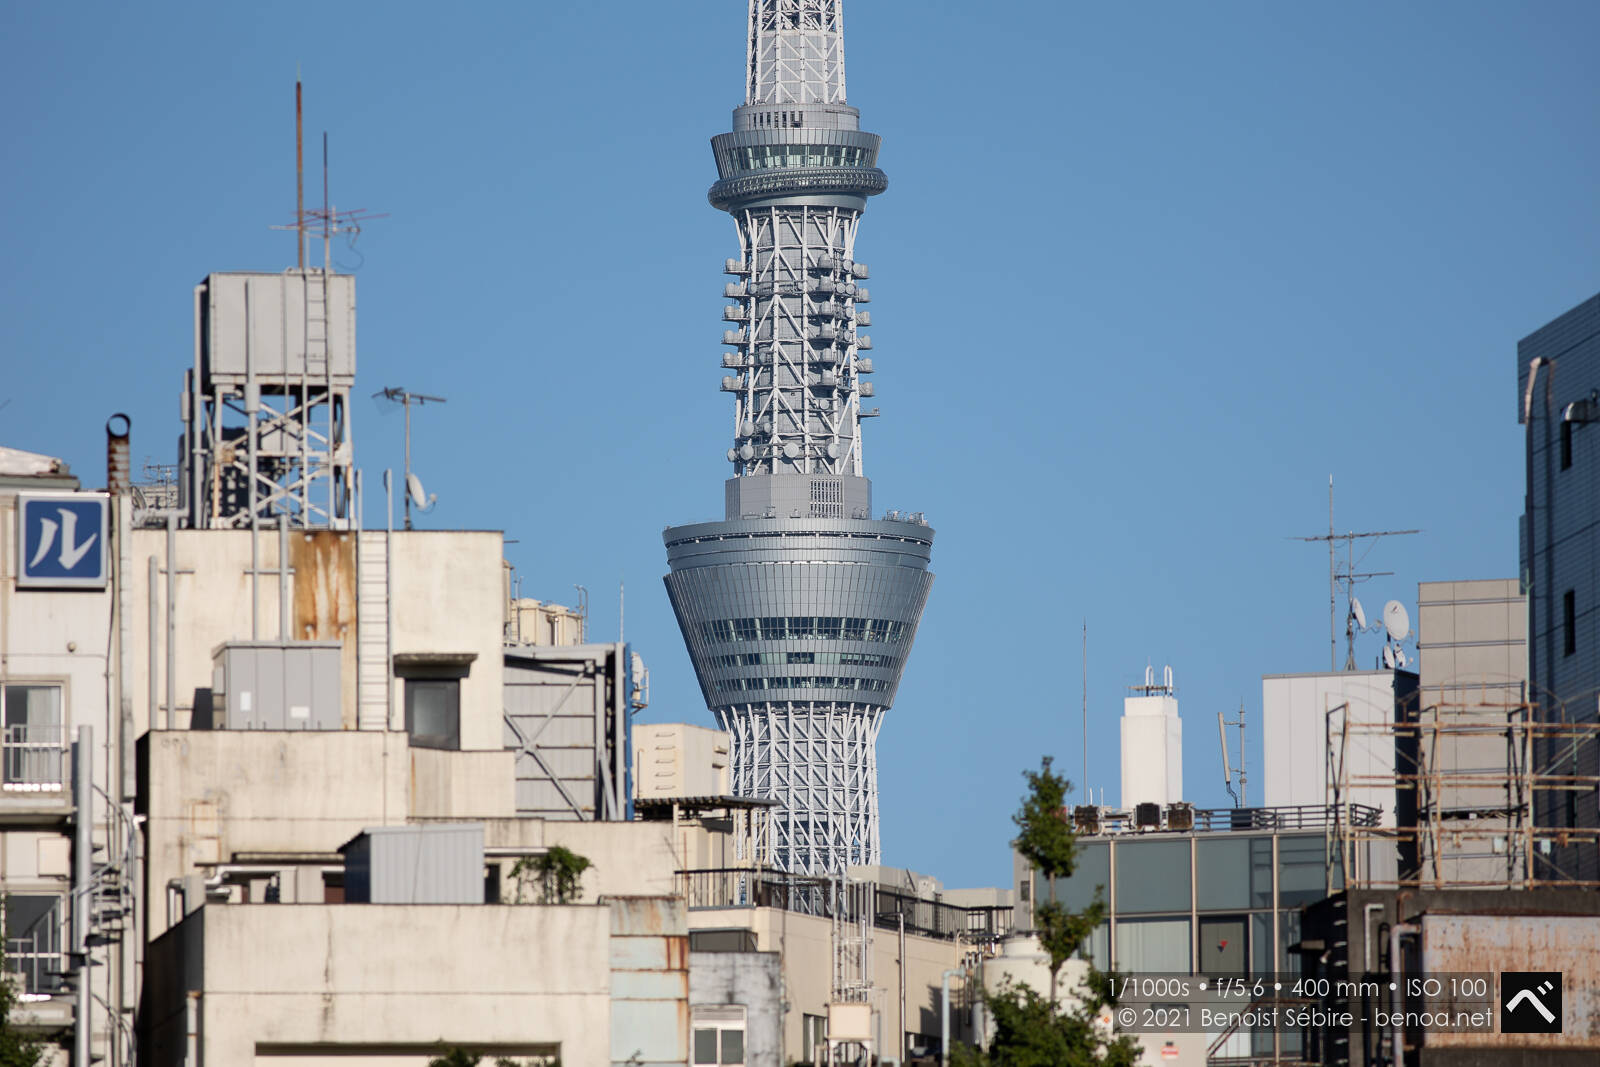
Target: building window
(719,1035)
(1155,945)
(1304,875)
(1153,876)
(1569,622)
(433,696)
(814,1032)
(433,712)
(33,740)
(33,942)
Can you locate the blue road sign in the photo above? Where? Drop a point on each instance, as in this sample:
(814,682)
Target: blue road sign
(61,540)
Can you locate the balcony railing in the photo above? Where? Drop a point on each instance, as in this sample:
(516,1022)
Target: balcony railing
(36,953)
(33,758)
(730,887)
(1095,821)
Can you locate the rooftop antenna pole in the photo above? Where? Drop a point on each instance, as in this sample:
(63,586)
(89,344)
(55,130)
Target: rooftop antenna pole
(1334,577)
(1241,799)
(327,214)
(1085,783)
(299,179)
(401,396)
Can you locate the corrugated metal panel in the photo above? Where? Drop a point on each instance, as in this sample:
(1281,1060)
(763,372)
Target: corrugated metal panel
(435,864)
(1490,944)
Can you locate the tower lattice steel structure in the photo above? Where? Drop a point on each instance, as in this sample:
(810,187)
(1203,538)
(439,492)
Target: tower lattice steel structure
(799,609)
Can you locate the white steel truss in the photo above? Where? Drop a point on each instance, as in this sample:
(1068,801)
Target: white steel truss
(820,762)
(291,456)
(796,348)
(796,52)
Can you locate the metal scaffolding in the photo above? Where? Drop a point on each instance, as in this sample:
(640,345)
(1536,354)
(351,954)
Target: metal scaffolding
(1462,822)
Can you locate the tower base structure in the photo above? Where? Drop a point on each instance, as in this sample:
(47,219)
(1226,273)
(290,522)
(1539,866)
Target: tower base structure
(799,629)
(821,764)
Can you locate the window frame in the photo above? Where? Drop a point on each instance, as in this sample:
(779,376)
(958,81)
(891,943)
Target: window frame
(36,760)
(424,668)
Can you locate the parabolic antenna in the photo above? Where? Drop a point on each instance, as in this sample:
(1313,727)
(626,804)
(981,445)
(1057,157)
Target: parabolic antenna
(1388,657)
(1397,620)
(1360,616)
(418,497)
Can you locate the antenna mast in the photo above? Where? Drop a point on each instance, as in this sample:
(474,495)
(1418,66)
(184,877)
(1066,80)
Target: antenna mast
(299,180)
(1241,799)
(1350,577)
(402,397)
(1085,783)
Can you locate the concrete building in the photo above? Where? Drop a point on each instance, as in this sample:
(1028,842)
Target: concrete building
(1472,640)
(1356,943)
(66,827)
(1221,897)
(1152,743)
(1558,403)
(675,759)
(1319,730)
(387,985)
(799,609)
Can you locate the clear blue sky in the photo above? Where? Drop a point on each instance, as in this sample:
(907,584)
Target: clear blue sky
(1145,276)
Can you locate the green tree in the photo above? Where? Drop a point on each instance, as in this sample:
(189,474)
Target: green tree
(16,1048)
(1033,1030)
(558,875)
(456,1056)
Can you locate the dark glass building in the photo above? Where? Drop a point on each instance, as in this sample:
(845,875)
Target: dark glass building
(1558,397)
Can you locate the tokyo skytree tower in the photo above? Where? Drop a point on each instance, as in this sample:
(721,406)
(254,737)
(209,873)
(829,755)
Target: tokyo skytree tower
(799,609)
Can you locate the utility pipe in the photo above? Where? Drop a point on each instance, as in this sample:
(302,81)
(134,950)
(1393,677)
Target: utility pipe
(1397,978)
(944,1017)
(82,890)
(155,644)
(172,621)
(900,1041)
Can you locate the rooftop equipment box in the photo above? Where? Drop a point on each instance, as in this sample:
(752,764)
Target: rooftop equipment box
(279,328)
(434,864)
(276,685)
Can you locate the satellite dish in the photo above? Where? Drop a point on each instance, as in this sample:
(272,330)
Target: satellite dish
(1356,612)
(418,497)
(1397,620)
(1399,657)
(1388,657)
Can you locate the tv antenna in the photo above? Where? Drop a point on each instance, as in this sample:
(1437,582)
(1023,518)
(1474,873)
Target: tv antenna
(332,221)
(1349,577)
(1241,799)
(414,492)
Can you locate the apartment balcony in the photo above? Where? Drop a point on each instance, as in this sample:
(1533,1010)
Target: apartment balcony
(35,774)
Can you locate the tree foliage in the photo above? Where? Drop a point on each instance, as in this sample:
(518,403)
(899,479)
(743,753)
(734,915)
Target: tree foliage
(456,1056)
(1031,1030)
(17,1049)
(557,875)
